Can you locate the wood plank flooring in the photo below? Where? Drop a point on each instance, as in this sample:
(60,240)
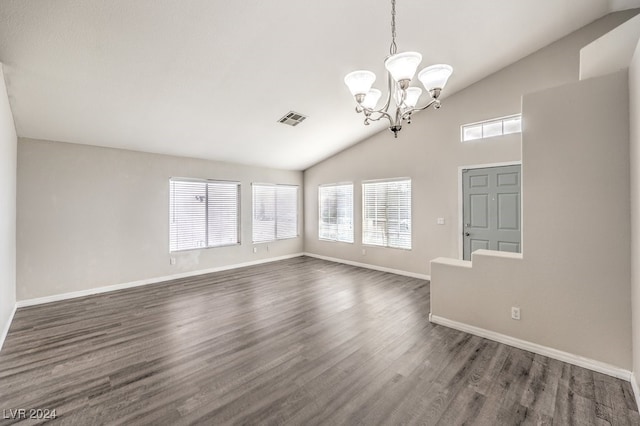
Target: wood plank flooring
(300,342)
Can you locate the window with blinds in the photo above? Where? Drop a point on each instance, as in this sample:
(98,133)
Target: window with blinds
(203,214)
(387,213)
(275,212)
(336,212)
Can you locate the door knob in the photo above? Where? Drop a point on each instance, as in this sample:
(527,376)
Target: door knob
(466,234)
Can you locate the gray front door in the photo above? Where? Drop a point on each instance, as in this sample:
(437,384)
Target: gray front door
(491,209)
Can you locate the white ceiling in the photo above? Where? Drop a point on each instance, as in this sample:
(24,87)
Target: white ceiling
(210,79)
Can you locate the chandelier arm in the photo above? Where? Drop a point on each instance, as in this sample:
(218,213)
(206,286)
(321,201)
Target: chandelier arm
(370,111)
(412,110)
(382,112)
(381,115)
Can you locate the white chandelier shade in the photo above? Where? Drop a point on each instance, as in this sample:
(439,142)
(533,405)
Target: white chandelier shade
(372,98)
(359,82)
(435,76)
(401,69)
(403,66)
(412,96)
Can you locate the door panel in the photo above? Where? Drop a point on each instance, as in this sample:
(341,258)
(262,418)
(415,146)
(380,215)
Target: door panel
(479,210)
(509,211)
(491,209)
(481,181)
(505,179)
(507,246)
(479,244)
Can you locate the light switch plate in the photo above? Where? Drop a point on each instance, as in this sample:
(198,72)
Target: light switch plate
(515,313)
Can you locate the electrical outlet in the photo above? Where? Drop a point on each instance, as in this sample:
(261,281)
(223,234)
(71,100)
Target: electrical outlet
(172,261)
(255,249)
(515,313)
(440,221)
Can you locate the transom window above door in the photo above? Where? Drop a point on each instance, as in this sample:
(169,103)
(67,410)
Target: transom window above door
(490,128)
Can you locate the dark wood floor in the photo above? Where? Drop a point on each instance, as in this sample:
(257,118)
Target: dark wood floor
(302,341)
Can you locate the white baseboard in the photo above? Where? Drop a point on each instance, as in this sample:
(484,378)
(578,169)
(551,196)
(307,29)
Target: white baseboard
(369,266)
(3,336)
(106,289)
(580,361)
(635,387)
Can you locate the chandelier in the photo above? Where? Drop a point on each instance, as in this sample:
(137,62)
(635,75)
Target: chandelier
(401,68)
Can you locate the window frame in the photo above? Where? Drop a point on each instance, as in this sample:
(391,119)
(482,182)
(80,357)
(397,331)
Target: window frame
(364,213)
(320,211)
(206,182)
(490,121)
(275,232)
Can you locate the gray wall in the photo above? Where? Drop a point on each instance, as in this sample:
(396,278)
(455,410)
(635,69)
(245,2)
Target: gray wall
(572,283)
(429,151)
(90,217)
(8,142)
(634,114)
(612,52)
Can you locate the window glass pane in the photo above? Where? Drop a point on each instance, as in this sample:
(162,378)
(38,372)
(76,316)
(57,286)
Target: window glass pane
(286,212)
(275,212)
(472,132)
(327,226)
(344,197)
(336,213)
(202,214)
(512,125)
(374,221)
(492,128)
(264,213)
(399,212)
(223,214)
(387,214)
(187,227)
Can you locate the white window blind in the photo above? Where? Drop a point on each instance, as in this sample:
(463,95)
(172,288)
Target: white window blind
(223,213)
(275,212)
(286,211)
(336,212)
(203,214)
(387,213)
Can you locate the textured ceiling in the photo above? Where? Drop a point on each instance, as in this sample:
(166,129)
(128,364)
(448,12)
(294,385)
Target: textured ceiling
(210,79)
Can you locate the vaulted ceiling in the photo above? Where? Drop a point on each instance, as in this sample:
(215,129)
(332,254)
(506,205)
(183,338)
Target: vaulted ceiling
(209,79)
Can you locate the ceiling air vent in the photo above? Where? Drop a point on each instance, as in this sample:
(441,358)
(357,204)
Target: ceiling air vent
(292,118)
